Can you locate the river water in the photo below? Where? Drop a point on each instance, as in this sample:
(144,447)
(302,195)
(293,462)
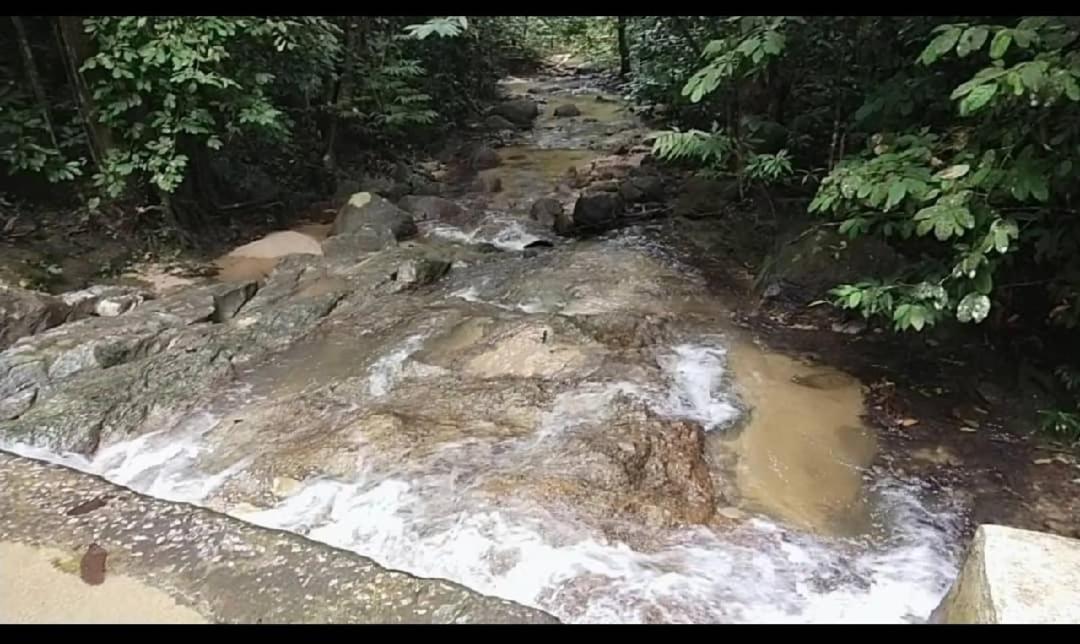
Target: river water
(808,530)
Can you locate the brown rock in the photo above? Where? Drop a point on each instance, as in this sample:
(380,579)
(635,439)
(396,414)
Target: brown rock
(546,210)
(484,158)
(25,313)
(430,208)
(92,565)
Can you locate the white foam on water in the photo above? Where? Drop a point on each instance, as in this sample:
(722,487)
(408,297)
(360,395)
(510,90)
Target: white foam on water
(161,464)
(502,232)
(697,372)
(388,369)
(430,517)
(761,572)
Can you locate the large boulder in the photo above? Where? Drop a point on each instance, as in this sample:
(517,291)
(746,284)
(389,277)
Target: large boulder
(484,158)
(546,210)
(413,273)
(803,264)
(430,208)
(521,111)
(633,466)
(642,188)
(1013,576)
(24,313)
(365,210)
(496,122)
(567,110)
(597,211)
(104,301)
(700,197)
(368,239)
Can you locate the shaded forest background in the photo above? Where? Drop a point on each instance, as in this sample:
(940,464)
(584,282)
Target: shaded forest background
(946,147)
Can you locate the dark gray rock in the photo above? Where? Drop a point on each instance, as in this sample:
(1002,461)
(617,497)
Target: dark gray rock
(497,122)
(104,301)
(484,158)
(360,241)
(430,208)
(567,110)
(546,210)
(699,197)
(597,211)
(564,223)
(802,267)
(24,313)
(521,112)
(366,210)
(642,188)
(418,272)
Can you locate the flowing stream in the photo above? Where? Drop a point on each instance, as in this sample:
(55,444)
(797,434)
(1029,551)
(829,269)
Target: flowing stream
(806,529)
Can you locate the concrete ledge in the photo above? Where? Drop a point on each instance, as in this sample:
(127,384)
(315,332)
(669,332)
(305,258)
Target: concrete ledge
(1013,576)
(225,570)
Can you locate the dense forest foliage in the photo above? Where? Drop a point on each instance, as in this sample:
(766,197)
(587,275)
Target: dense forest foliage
(174,111)
(953,140)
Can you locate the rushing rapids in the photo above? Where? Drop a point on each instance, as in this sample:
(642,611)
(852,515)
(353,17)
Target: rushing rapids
(575,428)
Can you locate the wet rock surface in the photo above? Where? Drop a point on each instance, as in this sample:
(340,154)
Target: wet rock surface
(463,394)
(24,313)
(521,112)
(365,209)
(226,570)
(1015,576)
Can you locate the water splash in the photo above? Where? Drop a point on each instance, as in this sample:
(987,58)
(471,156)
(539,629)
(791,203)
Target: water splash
(388,369)
(505,233)
(697,372)
(431,517)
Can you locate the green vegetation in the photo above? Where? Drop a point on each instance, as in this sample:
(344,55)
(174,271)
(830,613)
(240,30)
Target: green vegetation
(952,140)
(152,108)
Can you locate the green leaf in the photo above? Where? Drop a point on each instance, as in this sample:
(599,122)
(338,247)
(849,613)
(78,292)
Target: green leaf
(1023,37)
(1032,76)
(973,308)
(897,190)
(1072,89)
(971,40)
(977,98)
(773,42)
(917,317)
(1000,44)
(1003,231)
(940,45)
(954,171)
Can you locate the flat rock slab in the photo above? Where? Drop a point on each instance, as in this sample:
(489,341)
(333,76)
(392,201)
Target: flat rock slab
(1013,576)
(222,569)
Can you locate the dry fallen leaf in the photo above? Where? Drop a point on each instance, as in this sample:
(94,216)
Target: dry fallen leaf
(968,429)
(1043,461)
(908,422)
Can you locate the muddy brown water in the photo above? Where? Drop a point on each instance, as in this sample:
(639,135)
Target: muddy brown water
(487,380)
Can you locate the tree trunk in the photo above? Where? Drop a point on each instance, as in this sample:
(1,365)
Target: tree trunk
(343,94)
(624,48)
(687,35)
(35,80)
(75,48)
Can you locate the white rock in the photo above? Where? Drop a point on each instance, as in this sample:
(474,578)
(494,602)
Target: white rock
(1013,576)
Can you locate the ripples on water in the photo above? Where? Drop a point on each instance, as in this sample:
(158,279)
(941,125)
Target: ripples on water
(428,516)
(417,519)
